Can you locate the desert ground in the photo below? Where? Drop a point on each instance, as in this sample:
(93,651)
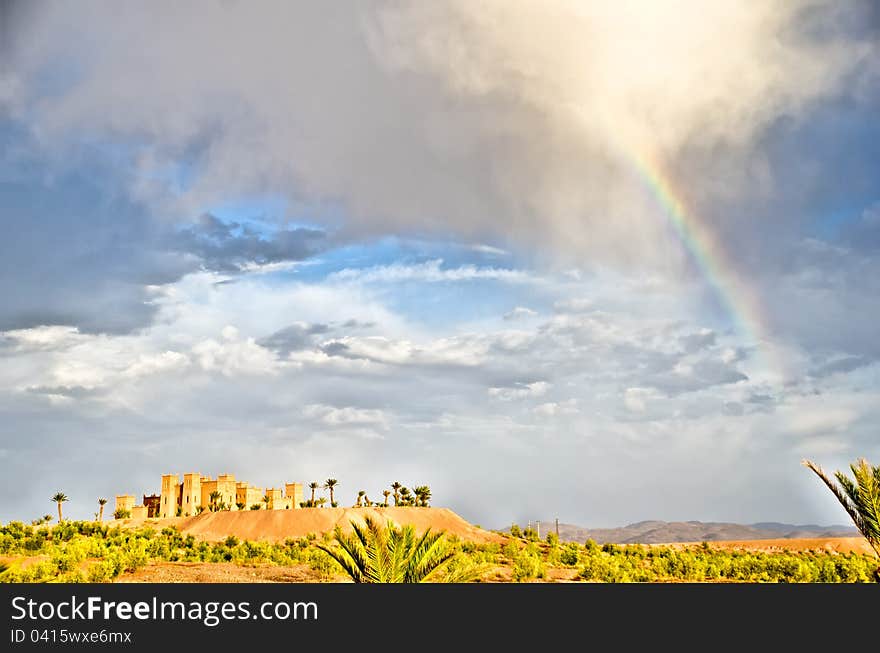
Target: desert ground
(279,525)
(830,544)
(280,546)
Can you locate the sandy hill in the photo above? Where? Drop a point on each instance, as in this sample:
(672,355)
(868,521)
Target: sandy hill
(278,525)
(654,532)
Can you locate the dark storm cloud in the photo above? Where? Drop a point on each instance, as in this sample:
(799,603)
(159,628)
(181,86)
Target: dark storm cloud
(336,348)
(73,391)
(842,365)
(76,250)
(417,118)
(356,324)
(227,246)
(293,338)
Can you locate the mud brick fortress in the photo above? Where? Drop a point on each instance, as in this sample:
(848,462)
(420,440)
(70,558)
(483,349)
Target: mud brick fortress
(197,493)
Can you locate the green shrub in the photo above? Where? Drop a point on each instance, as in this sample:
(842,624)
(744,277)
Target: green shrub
(569,555)
(528,565)
(86,551)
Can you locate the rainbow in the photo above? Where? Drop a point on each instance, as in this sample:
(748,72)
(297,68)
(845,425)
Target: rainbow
(739,301)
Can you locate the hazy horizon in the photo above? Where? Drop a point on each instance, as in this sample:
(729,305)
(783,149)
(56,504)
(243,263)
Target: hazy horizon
(608,261)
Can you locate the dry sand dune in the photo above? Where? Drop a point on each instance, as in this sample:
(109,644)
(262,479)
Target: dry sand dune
(277,525)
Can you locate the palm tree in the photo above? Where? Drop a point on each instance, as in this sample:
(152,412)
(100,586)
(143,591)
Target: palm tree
(423,495)
(385,494)
(213,497)
(360,499)
(314,485)
(101,503)
(396,487)
(240,505)
(322,501)
(329,484)
(59,498)
(860,498)
(266,500)
(406,498)
(47,519)
(388,554)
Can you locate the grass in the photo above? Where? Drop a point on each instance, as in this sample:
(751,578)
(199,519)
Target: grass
(92,552)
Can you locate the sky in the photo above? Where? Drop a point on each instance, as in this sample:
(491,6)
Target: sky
(600,261)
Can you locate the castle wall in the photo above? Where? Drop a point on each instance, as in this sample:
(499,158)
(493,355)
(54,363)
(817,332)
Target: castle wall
(248,495)
(208,485)
(226,488)
(152,503)
(276,499)
(195,491)
(225,485)
(139,512)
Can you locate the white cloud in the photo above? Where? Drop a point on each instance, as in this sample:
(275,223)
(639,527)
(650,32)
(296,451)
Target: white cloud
(553,409)
(429,272)
(346,416)
(575,386)
(519,313)
(578,305)
(635,399)
(489,249)
(149,364)
(43,337)
(466,350)
(522,391)
(234,357)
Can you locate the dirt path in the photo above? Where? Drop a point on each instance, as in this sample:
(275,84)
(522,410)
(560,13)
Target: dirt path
(223,572)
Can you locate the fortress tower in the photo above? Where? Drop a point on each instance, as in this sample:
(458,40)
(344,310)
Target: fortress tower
(294,492)
(191,494)
(169,496)
(124,502)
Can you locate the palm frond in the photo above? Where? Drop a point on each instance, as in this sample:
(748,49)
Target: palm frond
(429,554)
(860,498)
(351,555)
(345,561)
(377,553)
(868,498)
(465,571)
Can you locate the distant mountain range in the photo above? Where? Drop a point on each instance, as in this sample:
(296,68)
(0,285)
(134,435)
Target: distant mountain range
(657,532)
